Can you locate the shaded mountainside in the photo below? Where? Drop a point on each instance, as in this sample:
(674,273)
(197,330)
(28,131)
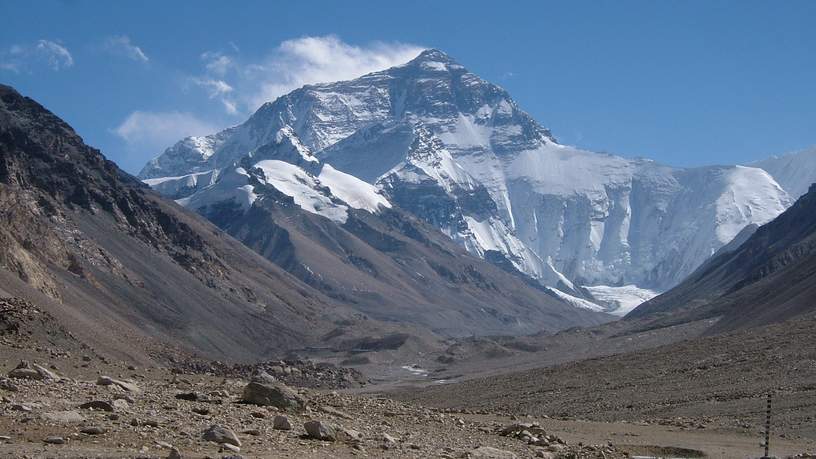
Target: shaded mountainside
(770,277)
(123,267)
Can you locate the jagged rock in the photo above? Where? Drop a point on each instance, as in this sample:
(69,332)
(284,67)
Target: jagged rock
(125,385)
(93,430)
(487,452)
(174,454)
(221,434)
(27,370)
(319,430)
(281,423)
(100,405)
(275,394)
(21,407)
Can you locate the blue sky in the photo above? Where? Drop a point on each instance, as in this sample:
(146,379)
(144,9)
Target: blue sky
(686,83)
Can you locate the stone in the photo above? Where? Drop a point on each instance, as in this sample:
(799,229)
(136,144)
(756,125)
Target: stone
(281,423)
(93,430)
(174,454)
(388,441)
(20,407)
(54,440)
(189,396)
(487,452)
(221,434)
(263,378)
(319,430)
(230,448)
(349,435)
(99,405)
(276,394)
(120,404)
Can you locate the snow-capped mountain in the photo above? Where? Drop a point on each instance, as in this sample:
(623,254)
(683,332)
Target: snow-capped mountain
(459,153)
(795,172)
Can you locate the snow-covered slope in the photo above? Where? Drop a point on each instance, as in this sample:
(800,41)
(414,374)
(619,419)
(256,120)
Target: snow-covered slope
(795,171)
(459,153)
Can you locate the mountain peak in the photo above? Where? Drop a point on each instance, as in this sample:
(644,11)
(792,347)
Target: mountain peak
(430,56)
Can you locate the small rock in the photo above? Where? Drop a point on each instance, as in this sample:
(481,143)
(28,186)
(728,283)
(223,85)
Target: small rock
(189,396)
(19,407)
(349,435)
(254,432)
(281,423)
(201,411)
(220,434)
(388,441)
(99,405)
(93,430)
(120,404)
(174,454)
(54,440)
(229,447)
(319,430)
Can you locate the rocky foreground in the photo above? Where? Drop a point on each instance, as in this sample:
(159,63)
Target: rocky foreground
(157,413)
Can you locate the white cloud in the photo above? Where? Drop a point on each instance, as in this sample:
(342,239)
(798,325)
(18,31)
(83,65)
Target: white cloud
(216,63)
(151,132)
(122,45)
(218,89)
(309,60)
(292,64)
(26,56)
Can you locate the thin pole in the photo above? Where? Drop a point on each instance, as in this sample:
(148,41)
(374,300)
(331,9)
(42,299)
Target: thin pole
(768,426)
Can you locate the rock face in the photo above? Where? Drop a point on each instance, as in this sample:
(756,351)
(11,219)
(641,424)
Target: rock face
(273,394)
(460,154)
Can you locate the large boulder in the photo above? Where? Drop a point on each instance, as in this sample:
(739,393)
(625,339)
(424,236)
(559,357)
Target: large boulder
(27,370)
(220,434)
(320,430)
(273,394)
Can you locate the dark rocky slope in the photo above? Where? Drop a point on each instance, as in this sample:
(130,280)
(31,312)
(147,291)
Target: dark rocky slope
(126,268)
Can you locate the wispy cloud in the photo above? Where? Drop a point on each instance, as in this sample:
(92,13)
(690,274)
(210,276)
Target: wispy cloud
(121,45)
(294,63)
(218,89)
(147,132)
(25,57)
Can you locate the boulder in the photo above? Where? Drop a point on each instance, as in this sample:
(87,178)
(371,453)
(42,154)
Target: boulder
(275,394)
(127,386)
(281,423)
(319,430)
(27,370)
(220,434)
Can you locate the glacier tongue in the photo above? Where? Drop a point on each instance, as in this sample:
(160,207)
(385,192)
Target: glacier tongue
(459,153)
